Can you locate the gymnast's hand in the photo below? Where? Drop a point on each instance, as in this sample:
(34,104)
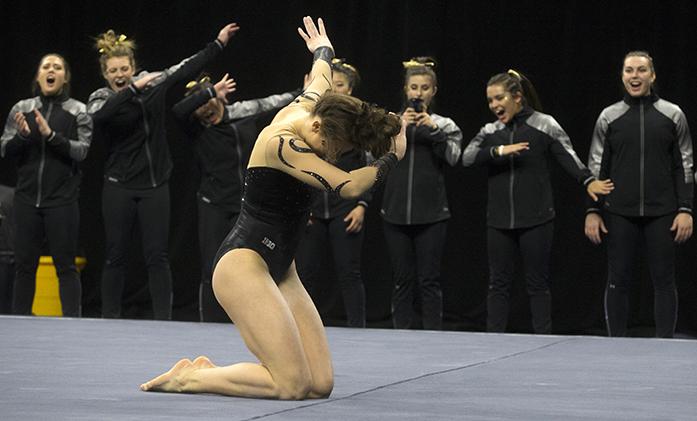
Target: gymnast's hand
(312,37)
(41,122)
(22,125)
(144,81)
(354,219)
(594,226)
(597,187)
(682,227)
(513,149)
(227,32)
(224,87)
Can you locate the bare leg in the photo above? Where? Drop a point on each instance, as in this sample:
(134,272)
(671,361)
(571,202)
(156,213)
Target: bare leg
(246,291)
(312,334)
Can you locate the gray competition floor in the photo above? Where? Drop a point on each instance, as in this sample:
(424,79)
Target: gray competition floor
(73,369)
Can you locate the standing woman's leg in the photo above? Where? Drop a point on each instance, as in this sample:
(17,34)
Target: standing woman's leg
(429,244)
(213,226)
(29,236)
(62,230)
(403,258)
(535,249)
(660,252)
(624,234)
(261,314)
(310,257)
(502,246)
(153,216)
(119,210)
(346,250)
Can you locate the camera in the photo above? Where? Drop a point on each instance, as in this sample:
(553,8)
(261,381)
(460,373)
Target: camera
(417,104)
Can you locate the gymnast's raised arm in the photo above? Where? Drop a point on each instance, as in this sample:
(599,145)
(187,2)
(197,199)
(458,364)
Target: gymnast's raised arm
(320,46)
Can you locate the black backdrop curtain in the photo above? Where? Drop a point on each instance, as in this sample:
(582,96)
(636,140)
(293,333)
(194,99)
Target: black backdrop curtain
(571,50)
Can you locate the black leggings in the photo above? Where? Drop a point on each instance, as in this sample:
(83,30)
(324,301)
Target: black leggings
(534,244)
(623,238)
(416,252)
(121,207)
(213,226)
(325,236)
(59,225)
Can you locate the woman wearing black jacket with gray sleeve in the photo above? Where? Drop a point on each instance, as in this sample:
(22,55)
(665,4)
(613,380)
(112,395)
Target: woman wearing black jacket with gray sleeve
(130,116)
(49,134)
(415,205)
(520,213)
(222,136)
(643,143)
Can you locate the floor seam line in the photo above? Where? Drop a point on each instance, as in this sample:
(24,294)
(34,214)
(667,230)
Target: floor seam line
(422,376)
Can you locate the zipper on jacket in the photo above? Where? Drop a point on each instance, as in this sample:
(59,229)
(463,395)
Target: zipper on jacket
(240,170)
(511,178)
(147,143)
(641,158)
(42,162)
(410,177)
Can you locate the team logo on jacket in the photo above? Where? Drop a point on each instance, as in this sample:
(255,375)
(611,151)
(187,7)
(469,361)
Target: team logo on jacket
(268,243)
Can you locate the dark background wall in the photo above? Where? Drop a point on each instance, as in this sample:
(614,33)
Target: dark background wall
(572,51)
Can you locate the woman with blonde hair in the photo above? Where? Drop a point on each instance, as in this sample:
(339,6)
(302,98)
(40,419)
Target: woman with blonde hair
(415,204)
(130,115)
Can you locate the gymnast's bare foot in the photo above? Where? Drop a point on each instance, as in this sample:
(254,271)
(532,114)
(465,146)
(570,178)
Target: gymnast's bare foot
(203,362)
(171,381)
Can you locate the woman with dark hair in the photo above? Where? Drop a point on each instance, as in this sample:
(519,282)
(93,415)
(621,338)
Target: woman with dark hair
(130,116)
(643,143)
(50,134)
(255,278)
(336,224)
(222,135)
(516,149)
(415,205)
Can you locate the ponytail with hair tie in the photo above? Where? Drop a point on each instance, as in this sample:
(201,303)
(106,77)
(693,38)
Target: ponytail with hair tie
(517,83)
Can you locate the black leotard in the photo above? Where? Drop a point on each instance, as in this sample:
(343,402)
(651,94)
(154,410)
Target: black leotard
(275,208)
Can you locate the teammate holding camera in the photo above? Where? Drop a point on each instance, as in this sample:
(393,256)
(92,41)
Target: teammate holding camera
(415,206)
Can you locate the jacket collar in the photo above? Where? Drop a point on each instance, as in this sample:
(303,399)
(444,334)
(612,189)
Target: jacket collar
(521,116)
(648,99)
(61,97)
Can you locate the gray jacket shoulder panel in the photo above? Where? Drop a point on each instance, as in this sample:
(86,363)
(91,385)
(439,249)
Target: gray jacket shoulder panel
(606,117)
(97,99)
(453,136)
(549,126)
(472,149)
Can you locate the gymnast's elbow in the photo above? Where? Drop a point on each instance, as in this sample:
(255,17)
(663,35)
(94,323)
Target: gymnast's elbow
(352,190)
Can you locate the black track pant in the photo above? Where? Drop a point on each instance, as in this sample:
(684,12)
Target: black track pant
(416,252)
(121,208)
(623,239)
(214,224)
(534,245)
(328,237)
(59,226)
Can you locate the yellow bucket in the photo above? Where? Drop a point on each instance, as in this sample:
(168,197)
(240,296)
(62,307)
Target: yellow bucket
(47,301)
